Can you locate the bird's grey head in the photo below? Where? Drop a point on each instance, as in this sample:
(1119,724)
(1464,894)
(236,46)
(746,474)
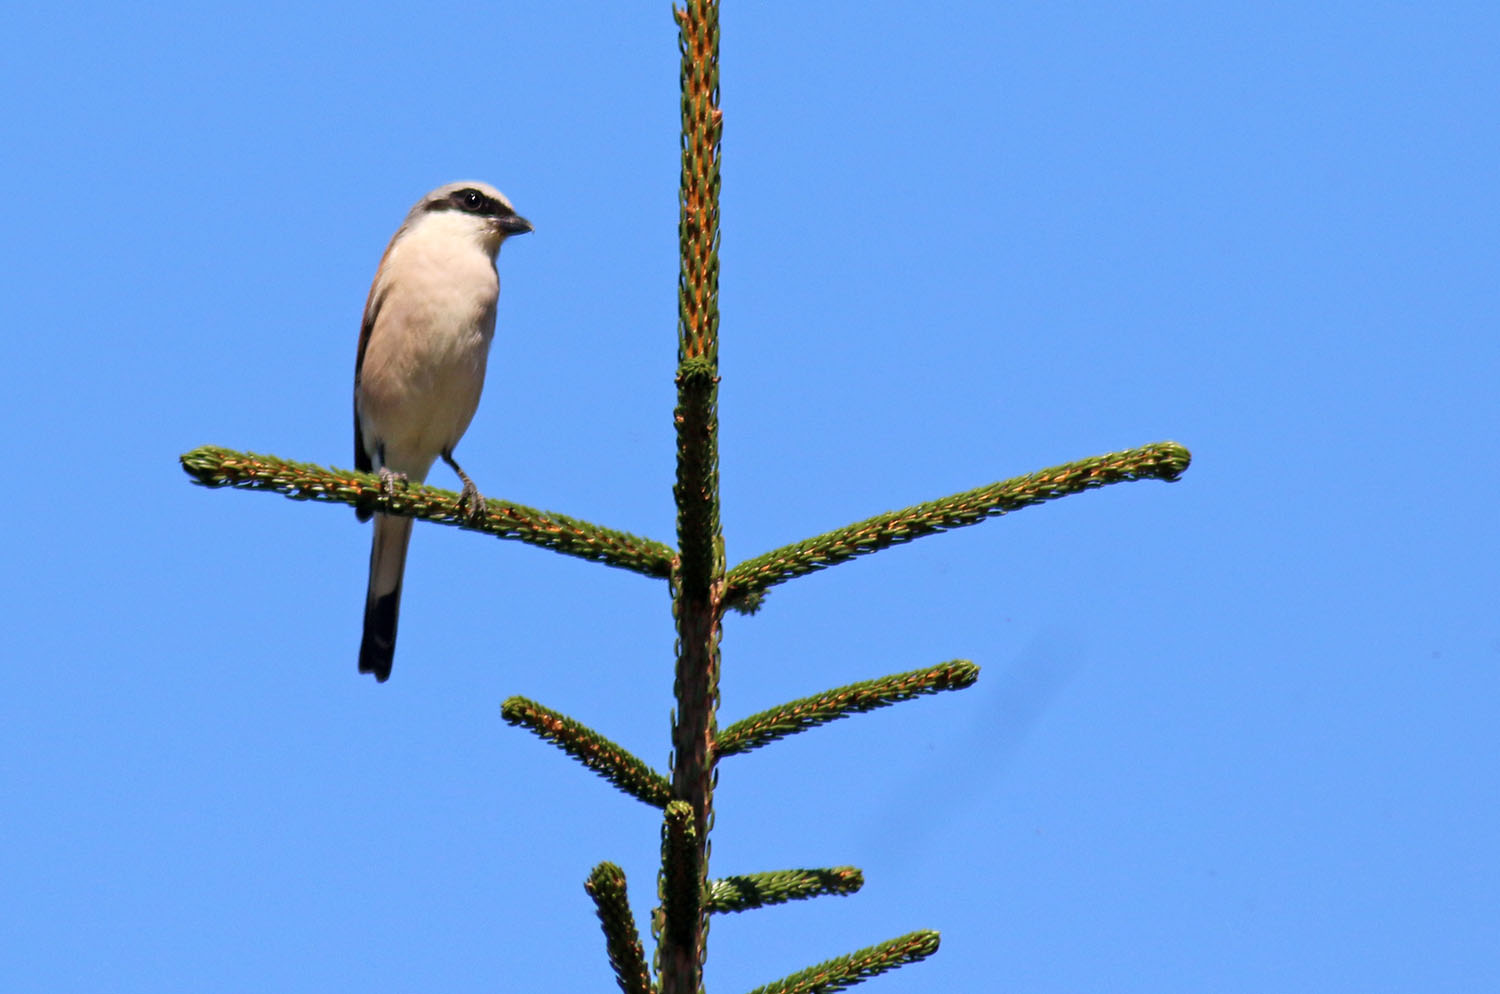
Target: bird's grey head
(486,207)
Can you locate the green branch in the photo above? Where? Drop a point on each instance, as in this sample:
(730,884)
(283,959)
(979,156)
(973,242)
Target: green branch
(698,576)
(682,879)
(210,466)
(610,761)
(846,971)
(831,705)
(699,534)
(1161,461)
(758,890)
(606,885)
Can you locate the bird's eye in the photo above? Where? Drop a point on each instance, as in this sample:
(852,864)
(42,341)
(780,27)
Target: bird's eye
(472,200)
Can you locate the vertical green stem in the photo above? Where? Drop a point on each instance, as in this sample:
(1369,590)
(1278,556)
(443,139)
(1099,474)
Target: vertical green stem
(698,573)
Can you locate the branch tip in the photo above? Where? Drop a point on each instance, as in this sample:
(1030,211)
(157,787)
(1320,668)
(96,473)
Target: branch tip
(611,761)
(627,957)
(758,890)
(831,705)
(845,971)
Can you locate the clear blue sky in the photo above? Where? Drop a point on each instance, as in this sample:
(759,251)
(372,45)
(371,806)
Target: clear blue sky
(1236,734)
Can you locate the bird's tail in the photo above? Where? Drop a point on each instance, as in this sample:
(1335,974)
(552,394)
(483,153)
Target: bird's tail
(383,600)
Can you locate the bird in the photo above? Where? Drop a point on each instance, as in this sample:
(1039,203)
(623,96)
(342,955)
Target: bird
(423,345)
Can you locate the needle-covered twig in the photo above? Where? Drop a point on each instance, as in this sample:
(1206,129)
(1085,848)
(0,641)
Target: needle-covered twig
(211,466)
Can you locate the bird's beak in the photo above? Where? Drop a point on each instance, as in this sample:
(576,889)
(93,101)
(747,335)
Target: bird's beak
(515,225)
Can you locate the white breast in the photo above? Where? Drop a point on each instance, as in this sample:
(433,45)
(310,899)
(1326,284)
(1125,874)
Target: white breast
(424,363)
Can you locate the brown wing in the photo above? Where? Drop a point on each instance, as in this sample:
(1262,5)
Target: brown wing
(367,325)
(362,460)
(361,457)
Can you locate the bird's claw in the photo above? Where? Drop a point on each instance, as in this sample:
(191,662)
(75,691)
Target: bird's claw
(472,503)
(388,481)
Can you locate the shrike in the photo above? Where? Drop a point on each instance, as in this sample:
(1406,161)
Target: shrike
(422,349)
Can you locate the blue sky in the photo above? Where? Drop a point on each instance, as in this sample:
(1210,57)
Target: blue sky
(1235,734)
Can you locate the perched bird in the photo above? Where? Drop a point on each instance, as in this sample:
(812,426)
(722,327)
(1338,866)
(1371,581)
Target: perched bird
(422,350)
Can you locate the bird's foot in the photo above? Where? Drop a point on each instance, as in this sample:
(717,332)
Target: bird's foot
(472,503)
(388,481)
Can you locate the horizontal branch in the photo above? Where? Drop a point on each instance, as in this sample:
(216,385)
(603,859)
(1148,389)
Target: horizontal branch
(846,971)
(831,705)
(1161,461)
(210,466)
(606,885)
(612,762)
(758,890)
